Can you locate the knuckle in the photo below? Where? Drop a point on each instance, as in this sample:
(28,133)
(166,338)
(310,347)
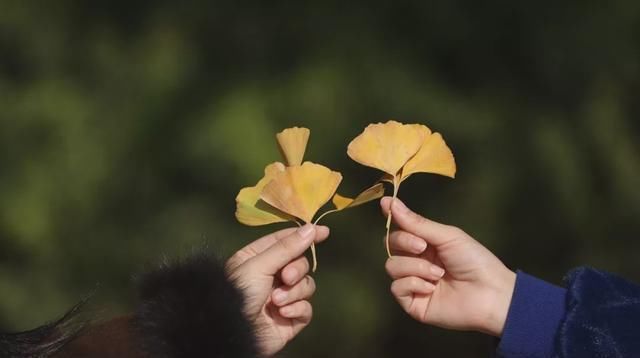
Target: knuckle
(414,283)
(284,244)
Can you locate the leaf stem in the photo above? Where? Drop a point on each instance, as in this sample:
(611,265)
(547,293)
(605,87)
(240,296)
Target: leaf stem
(313,256)
(396,186)
(324,214)
(313,248)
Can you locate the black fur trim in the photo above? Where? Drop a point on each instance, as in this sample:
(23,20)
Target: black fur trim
(190,309)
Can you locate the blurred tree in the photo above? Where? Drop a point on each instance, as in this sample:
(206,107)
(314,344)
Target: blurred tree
(127,127)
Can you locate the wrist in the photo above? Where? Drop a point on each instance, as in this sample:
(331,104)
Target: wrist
(503,286)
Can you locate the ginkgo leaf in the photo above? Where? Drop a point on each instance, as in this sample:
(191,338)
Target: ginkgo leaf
(386,146)
(433,157)
(372,193)
(293,143)
(426,132)
(400,150)
(251,210)
(301,191)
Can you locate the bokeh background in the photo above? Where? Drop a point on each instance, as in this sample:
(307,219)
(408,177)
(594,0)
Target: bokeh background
(127,128)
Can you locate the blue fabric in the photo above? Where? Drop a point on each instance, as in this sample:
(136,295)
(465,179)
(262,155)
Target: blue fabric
(598,316)
(603,316)
(536,310)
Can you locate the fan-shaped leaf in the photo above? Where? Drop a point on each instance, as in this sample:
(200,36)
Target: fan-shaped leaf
(433,157)
(293,143)
(302,190)
(386,146)
(251,210)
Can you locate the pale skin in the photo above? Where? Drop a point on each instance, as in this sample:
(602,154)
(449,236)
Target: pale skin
(272,272)
(443,277)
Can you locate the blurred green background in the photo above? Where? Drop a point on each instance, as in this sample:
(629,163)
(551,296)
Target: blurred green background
(127,128)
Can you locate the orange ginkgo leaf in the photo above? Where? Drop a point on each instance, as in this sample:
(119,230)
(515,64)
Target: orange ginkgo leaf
(251,210)
(386,146)
(372,193)
(301,191)
(433,157)
(293,143)
(391,147)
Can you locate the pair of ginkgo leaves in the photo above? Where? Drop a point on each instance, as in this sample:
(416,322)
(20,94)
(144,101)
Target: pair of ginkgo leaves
(296,191)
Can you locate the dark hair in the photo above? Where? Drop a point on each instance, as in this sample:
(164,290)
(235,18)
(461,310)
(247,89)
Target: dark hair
(45,340)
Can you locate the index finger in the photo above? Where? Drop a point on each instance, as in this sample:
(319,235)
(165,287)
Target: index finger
(284,251)
(260,245)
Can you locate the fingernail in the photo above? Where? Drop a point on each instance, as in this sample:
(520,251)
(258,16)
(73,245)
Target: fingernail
(306,232)
(419,245)
(279,296)
(438,271)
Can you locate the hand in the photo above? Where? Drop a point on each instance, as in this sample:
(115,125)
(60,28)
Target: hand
(442,276)
(272,274)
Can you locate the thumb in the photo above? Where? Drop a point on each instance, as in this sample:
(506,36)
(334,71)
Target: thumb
(433,233)
(285,250)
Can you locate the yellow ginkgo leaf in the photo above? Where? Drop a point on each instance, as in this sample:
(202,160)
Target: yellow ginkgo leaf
(433,157)
(301,191)
(400,150)
(251,210)
(426,132)
(293,143)
(372,193)
(386,146)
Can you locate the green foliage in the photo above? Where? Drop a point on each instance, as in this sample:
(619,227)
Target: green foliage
(127,128)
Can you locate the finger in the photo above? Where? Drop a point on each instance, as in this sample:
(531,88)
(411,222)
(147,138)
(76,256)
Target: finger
(403,241)
(434,233)
(303,290)
(406,288)
(403,266)
(260,245)
(270,261)
(300,310)
(300,313)
(295,271)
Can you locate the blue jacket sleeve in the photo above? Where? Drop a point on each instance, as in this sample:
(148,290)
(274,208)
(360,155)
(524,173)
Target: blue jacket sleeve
(536,310)
(596,316)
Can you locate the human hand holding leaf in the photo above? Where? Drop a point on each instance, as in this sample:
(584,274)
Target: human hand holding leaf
(296,191)
(400,150)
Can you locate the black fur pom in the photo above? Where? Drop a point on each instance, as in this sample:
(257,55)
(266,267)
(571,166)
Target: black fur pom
(190,309)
